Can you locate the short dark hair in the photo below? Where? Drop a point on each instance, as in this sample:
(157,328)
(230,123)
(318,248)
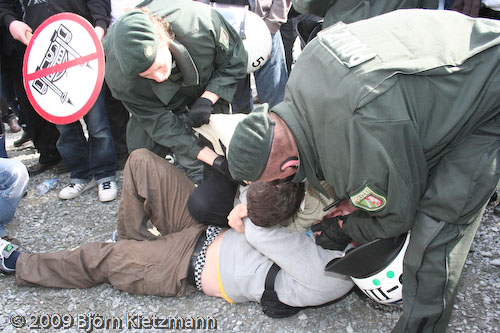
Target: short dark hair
(273,203)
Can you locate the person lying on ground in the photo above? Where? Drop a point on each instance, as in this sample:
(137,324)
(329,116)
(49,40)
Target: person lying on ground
(220,262)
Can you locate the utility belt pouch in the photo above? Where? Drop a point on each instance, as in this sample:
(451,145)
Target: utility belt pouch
(271,305)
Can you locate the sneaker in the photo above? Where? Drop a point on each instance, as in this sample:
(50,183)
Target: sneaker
(73,190)
(107,191)
(6,250)
(113,238)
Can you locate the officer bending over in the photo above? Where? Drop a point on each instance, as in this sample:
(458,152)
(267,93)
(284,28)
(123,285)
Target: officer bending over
(400,114)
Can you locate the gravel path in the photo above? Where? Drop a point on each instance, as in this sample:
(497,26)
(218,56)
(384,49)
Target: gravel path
(46,223)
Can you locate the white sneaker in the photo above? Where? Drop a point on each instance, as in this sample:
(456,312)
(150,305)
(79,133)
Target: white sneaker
(73,190)
(107,191)
(6,249)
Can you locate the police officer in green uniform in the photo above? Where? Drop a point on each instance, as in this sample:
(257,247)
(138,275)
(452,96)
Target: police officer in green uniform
(158,71)
(349,11)
(401,115)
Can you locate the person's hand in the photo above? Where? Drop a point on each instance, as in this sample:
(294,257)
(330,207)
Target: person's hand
(330,234)
(199,112)
(99,32)
(344,208)
(20,31)
(235,217)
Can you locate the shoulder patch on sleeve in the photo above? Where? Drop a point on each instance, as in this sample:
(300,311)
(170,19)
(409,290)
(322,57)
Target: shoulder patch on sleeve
(369,200)
(224,38)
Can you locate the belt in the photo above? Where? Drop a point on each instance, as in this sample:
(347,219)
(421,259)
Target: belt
(192,261)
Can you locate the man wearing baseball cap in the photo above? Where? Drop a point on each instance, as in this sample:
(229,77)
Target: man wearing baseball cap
(400,114)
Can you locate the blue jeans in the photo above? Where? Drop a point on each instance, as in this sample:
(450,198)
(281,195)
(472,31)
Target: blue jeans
(92,158)
(13,182)
(271,79)
(3,151)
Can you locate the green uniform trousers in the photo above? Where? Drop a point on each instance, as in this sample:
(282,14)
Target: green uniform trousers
(438,249)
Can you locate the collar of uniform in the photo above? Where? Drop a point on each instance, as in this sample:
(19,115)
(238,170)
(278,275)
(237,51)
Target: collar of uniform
(307,161)
(184,63)
(176,74)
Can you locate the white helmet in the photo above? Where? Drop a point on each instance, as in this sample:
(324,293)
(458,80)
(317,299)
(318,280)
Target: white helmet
(376,268)
(252,30)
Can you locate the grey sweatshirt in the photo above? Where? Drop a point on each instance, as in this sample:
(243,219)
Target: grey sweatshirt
(245,259)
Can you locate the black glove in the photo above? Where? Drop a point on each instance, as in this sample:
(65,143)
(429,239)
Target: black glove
(220,164)
(332,236)
(199,112)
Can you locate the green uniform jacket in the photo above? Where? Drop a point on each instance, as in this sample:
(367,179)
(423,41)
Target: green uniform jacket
(349,11)
(384,104)
(212,57)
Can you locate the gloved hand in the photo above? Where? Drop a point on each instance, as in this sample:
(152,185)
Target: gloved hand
(199,112)
(332,236)
(220,164)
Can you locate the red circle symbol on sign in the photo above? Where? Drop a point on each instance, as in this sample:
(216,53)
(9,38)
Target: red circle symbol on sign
(63,68)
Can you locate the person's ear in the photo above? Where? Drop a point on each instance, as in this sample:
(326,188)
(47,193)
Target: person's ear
(291,162)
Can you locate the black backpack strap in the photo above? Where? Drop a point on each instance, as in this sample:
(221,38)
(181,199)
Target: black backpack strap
(271,276)
(271,305)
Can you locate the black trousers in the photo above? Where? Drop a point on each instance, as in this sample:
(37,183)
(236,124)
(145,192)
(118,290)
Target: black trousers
(118,118)
(212,201)
(43,133)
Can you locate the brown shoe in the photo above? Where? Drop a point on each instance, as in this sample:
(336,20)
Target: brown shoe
(23,139)
(60,167)
(14,126)
(39,168)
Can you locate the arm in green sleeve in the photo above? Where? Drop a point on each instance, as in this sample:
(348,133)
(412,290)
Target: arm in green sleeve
(385,164)
(165,128)
(230,62)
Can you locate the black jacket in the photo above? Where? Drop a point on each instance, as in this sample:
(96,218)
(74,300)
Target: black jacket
(97,12)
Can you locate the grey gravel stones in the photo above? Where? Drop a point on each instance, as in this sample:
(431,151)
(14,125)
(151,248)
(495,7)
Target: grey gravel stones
(46,223)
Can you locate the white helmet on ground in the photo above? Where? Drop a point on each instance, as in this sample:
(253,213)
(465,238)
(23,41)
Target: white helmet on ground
(252,30)
(376,268)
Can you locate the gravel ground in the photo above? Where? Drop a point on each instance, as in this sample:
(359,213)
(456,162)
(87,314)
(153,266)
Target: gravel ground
(46,223)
